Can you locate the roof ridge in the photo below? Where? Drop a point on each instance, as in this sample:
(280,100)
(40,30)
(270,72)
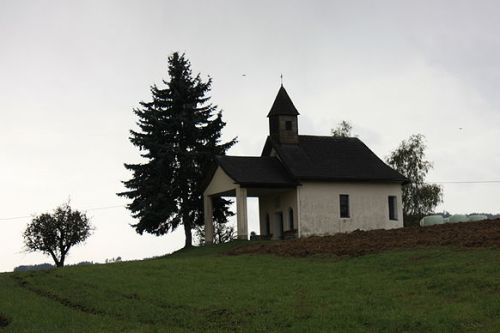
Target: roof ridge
(330,137)
(242,156)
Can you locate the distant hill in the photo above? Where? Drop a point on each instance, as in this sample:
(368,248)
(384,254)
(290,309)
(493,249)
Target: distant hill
(39,267)
(490,216)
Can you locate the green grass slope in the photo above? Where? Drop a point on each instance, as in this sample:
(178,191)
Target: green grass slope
(202,290)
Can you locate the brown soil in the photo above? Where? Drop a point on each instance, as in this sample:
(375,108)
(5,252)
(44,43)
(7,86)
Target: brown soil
(4,321)
(469,234)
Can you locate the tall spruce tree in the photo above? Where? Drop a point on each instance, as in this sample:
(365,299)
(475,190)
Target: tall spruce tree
(179,136)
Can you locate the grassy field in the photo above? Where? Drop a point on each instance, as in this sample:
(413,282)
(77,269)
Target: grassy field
(201,290)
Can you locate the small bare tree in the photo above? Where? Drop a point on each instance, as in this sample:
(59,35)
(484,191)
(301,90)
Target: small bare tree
(54,234)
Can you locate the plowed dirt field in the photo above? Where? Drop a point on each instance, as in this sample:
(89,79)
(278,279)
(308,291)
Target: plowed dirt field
(469,235)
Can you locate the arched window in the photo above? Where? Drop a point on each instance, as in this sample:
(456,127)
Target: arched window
(290,218)
(268,225)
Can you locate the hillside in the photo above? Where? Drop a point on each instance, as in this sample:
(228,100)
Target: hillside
(437,288)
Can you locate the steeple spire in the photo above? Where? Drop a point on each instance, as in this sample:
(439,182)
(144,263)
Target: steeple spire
(283,124)
(283,105)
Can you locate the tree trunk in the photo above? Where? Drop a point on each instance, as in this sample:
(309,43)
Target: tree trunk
(61,261)
(57,262)
(187,231)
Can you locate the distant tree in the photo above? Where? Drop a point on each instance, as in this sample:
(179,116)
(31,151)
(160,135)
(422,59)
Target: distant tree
(113,260)
(179,136)
(54,234)
(419,198)
(343,130)
(444,213)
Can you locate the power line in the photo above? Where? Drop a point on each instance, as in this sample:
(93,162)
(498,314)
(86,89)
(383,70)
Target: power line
(468,182)
(119,206)
(89,209)
(14,218)
(105,207)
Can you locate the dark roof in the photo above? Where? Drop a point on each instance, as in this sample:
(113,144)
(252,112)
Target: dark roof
(256,171)
(283,105)
(326,158)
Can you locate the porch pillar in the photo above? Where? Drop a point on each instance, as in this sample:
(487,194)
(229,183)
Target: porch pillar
(241,213)
(209,216)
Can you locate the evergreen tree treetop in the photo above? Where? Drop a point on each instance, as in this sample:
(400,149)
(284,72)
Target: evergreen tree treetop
(179,135)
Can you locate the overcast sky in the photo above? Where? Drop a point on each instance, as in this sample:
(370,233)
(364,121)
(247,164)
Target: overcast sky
(71,72)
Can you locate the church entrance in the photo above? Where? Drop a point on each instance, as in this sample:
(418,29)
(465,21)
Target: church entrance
(279,228)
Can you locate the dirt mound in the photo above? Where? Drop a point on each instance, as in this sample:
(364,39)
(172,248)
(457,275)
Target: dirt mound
(4,321)
(469,234)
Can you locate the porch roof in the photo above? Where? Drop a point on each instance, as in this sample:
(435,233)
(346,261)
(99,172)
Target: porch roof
(256,171)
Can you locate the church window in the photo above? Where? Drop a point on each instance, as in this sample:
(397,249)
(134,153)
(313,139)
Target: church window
(344,206)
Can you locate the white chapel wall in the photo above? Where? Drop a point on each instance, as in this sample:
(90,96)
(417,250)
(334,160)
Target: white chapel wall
(369,207)
(220,182)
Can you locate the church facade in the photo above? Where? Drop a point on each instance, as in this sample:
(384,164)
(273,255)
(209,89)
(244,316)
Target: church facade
(306,185)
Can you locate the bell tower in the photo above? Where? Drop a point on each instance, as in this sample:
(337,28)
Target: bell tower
(283,124)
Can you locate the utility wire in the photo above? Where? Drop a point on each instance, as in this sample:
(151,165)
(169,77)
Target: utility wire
(14,218)
(105,207)
(468,182)
(119,206)
(89,209)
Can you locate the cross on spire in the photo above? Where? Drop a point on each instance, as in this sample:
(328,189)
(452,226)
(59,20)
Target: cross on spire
(281,77)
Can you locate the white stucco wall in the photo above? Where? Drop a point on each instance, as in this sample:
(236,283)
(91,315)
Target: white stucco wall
(274,203)
(220,182)
(369,207)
